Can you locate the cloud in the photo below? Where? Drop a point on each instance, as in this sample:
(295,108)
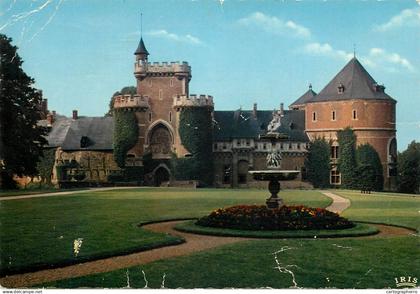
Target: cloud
(380,56)
(164,34)
(326,50)
(407,17)
(376,58)
(274,25)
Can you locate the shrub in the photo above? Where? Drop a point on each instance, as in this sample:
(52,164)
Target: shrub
(317,163)
(369,170)
(259,217)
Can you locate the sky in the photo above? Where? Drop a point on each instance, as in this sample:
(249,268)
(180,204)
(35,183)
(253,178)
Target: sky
(241,51)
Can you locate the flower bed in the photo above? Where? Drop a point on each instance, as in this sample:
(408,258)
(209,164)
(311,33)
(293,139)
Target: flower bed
(259,217)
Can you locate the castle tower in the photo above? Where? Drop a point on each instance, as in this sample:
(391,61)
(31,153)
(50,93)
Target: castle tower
(354,99)
(162,93)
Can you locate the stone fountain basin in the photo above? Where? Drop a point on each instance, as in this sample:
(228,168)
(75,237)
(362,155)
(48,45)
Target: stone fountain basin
(279,175)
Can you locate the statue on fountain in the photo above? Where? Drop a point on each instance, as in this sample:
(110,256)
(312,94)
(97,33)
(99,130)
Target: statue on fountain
(273,162)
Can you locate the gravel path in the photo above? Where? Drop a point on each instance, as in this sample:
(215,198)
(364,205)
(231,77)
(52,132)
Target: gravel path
(63,193)
(339,203)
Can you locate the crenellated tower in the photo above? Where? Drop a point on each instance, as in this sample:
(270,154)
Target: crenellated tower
(162,93)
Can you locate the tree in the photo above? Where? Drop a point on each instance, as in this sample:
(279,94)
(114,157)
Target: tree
(45,165)
(317,163)
(369,171)
(409,169)
(21,138)
(347,158)
(124,91)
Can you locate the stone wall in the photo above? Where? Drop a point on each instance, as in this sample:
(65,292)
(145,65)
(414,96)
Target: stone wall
(96,165)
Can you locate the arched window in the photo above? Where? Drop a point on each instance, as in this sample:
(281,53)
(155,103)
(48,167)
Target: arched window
(160,140)
(392,158)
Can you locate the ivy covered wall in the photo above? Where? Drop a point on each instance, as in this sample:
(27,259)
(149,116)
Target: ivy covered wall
(126,133)
(196,132)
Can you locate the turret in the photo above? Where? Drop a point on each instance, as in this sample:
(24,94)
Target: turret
(141,52)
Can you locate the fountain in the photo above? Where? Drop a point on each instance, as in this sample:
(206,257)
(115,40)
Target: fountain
(273,173)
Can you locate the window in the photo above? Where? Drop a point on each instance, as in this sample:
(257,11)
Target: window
(215,146)
(170,115)
(224,146)
(248,143)
(340,88)
(264,146)
(150,116)
(160,94)
(354,115)
(226,174)
(171,82)
(335,177)
(333,116)
(334,152)
(314,116)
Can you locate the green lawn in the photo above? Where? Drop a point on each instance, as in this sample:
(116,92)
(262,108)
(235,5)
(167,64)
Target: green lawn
(39,232)
(387,208)
(318,263)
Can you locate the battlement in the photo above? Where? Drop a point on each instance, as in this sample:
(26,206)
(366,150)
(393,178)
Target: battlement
(131,101)
(142,67)
(193,100)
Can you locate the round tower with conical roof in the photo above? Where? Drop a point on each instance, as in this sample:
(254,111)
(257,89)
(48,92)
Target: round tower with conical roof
(354,99)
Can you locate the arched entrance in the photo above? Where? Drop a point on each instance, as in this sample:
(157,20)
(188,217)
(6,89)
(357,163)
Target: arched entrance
(161,175)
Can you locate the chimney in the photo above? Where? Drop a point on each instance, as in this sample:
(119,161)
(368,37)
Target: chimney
(50,119)
(254,110)
(281,108)
(54,113)
(75,114)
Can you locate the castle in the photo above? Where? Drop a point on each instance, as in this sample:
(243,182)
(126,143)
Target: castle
(352,98)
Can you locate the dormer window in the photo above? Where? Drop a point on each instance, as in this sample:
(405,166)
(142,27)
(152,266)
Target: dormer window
(340,88)
(84,142)
(379,88)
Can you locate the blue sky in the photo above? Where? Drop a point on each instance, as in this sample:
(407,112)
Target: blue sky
(81,51)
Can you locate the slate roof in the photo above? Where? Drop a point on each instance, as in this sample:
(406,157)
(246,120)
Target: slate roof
(141,49)
(67,133)
(357,82)
(305,97)
(242,124)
